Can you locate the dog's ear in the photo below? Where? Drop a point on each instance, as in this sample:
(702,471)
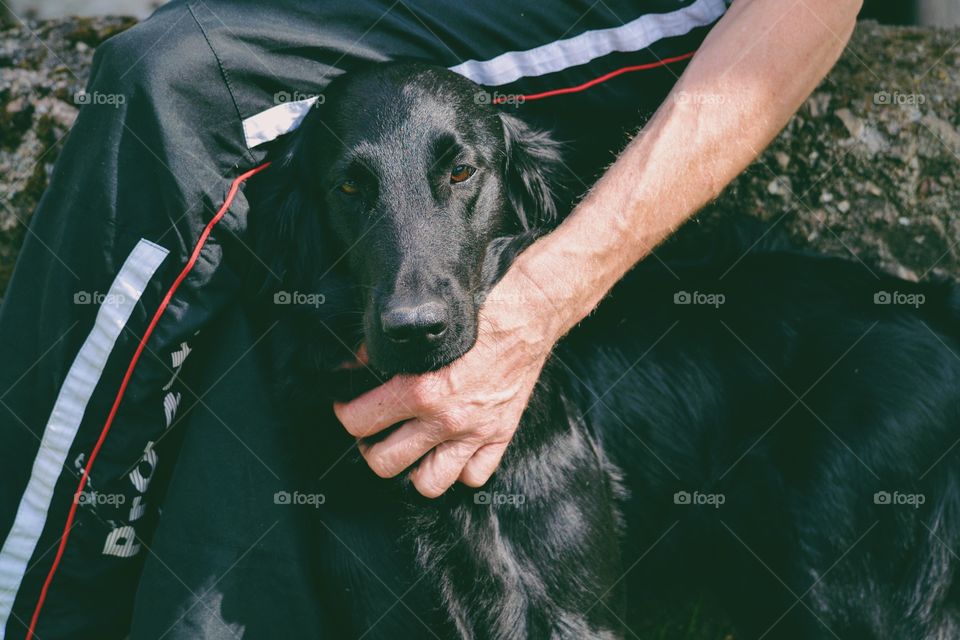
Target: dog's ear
(286,218)
(532,167)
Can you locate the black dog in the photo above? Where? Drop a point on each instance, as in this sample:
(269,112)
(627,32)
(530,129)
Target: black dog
(784,425)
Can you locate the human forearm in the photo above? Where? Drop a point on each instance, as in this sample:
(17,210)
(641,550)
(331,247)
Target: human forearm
(463,416)
(751,74)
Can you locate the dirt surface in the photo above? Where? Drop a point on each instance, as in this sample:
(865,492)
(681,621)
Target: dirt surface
(868,168)
(42,68)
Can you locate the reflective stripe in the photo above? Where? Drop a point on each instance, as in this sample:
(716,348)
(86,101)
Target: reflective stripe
(556,56)
(635,35)
(66,416)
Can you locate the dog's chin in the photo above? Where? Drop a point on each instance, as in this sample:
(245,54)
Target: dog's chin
(391,361)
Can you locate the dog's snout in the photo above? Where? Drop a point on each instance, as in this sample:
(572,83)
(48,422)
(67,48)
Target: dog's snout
(424,322)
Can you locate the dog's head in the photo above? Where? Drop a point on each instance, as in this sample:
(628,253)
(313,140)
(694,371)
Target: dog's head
(405,195)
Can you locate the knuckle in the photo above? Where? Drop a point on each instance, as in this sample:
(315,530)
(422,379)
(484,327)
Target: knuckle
(428,487)
(355,429)
(455,421)
(420,396)
(475,479)
(379,464)
(437,430)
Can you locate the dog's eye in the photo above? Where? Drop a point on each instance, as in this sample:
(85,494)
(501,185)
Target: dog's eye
(461,173)
(349,187)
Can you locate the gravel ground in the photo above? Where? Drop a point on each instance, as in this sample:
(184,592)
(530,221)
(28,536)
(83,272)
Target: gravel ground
(41,71)
(868,169)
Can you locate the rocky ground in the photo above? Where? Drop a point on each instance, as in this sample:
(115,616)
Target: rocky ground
(42,67)
(868,168)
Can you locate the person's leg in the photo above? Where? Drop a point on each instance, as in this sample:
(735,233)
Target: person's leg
(228,558)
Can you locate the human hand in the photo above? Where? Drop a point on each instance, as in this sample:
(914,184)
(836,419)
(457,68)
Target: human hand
(459,419)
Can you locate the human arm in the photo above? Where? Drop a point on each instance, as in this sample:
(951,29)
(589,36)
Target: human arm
(753,71)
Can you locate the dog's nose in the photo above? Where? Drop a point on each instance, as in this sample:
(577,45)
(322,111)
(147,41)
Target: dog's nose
(425,322)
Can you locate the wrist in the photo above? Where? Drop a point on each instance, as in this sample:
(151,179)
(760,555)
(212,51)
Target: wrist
(520,310)
(566,273)
(545,296)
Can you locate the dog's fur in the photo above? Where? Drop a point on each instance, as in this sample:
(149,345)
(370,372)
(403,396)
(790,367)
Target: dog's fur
(797,399)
